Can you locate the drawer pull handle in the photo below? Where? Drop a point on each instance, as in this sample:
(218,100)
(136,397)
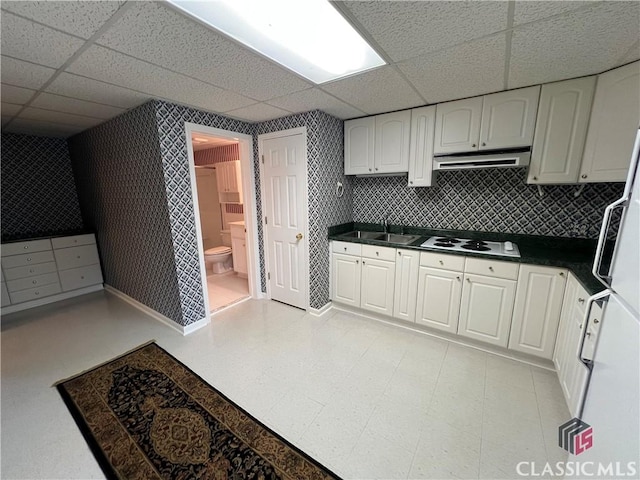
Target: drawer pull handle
(561,274)
(458,278)
(28,259)
(82,277)
(491,268)
(357,262)
(399,253)
(581,300)
(469,281)
(37,293)
(26,247)
(363,262)
(595,320)
(35,282)
(377,254)
(31,270)
(345,249)
(78,256)
(441,262)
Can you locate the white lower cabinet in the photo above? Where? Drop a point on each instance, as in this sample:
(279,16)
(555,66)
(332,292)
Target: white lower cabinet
(486,308)
(439,294)
(346,279)
(406,284)
(536,314)
(377,285)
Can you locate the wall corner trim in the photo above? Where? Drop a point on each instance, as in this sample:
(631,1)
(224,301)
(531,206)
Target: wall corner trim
(184,330)
(318,312)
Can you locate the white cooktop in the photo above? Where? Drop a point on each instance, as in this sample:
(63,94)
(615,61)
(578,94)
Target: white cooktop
(484,247)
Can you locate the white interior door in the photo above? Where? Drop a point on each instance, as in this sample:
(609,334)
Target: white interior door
(285,211)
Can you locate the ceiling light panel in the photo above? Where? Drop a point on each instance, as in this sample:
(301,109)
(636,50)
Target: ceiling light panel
(309,37)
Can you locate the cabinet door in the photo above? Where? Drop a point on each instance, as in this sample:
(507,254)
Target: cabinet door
(359,146)
(406,284)
(561,130)
(458,126)
(345,271)
(570,292)
(239,255)
(423,122)
(378,277)
(614,121)
(486,308)
(391,154)
(439,293)
(574,376)
(509,118)
(536,313)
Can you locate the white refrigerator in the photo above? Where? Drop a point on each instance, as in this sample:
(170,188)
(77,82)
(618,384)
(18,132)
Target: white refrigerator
(611,404)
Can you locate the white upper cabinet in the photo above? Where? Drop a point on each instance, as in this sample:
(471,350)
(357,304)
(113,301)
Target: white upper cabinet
(423,121)
(377,145)
(614,120)
(501,120)
(359,137)
(229,180)
(561,130)
(509,118)
(458,126)
(392,142)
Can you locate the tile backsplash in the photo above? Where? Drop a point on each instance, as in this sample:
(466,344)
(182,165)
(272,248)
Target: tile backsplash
(492,200)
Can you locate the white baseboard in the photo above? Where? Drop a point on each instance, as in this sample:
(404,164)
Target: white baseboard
(6,310)
(318,312)
(184,330)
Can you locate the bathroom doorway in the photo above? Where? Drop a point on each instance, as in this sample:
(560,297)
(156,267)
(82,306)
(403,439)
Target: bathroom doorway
(220,179)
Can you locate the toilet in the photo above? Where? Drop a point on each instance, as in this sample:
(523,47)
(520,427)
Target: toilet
(219,259)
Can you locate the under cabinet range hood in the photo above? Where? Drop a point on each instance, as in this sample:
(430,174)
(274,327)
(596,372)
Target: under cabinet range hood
(486,159)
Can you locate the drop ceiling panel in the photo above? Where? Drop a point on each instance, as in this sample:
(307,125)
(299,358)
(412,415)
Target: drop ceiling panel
(632,55)
(76,17)
(406,29)
(9,109)
(16,95)
(573,45)
(375,91)
(88,89)
(36,43)
(59,103)
(113,67)
(473,68)
(526,11)
(153,32)
(59,117)
(258,112)
(313,99)
(24,74)
(47,129)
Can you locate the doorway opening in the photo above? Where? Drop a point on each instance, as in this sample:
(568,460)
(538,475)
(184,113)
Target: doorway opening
(223,189)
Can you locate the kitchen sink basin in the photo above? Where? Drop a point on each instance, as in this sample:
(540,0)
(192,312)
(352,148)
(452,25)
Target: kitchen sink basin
(383,237)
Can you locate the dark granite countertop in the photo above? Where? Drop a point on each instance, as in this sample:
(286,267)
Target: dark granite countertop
(575,254)
(26,238)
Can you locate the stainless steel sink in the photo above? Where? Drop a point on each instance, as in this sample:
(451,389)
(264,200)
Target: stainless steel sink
(383,237)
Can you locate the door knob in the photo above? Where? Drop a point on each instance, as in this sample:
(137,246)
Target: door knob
(299,236)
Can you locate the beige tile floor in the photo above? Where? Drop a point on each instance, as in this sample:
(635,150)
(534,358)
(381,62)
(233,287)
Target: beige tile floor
(226,289)
(366,399)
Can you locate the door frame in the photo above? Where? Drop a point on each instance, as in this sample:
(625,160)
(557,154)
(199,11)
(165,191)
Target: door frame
(245,147)
(305,205)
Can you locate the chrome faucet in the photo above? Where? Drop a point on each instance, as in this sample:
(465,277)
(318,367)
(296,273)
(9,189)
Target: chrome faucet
(385,223)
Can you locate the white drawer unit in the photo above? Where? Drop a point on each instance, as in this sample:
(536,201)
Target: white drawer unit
(43,271)
(30,270)
(35,293)
(76,256)
(16,248)
(492,268)
(443,261)
(27,259)
(73,241)
(382,253)
(32,282)
(75,278)
(346,248)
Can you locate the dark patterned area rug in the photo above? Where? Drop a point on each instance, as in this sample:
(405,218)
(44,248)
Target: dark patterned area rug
(147,416)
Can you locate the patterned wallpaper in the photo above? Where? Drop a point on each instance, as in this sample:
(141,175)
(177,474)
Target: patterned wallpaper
(325,143)
(122,192)
(225,153)
(39,196)
(170,120)
(494,200)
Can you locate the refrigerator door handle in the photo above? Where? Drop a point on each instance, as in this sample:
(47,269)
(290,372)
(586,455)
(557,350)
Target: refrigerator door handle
(583,336)
(622,202)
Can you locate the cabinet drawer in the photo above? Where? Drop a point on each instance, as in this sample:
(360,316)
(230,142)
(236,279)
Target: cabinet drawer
(35,293)
(27,259)
(32,282)
(492,268)
(347,248)
(5,295)
(29,271)
(75,278)
(74,241)
(76,256)
(442,261)
(382,253)
(17,248)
